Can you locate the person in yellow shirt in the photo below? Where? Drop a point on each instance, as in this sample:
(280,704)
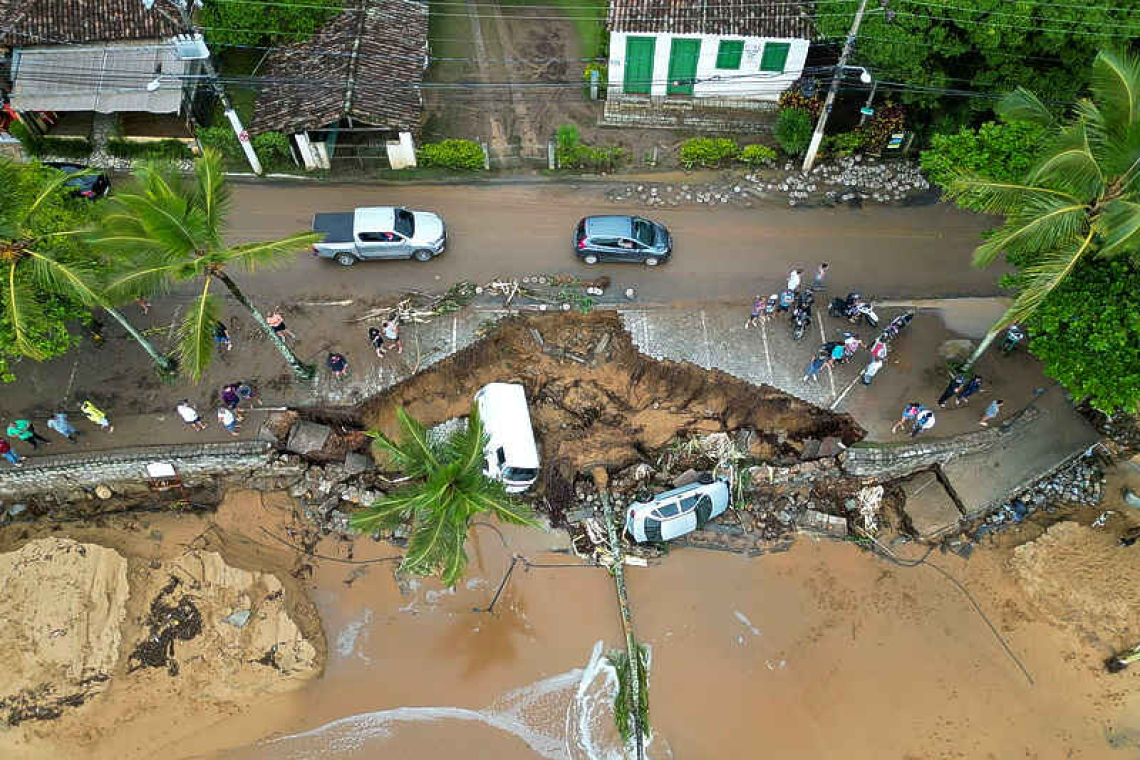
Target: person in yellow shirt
(96,415)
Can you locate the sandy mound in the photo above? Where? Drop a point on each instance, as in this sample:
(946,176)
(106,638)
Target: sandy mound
(222,630)
(1084,577)
(62,606)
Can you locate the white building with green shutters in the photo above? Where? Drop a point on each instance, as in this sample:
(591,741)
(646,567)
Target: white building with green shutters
(718,51)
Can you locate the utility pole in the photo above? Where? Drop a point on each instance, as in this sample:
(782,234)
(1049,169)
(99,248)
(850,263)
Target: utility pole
(821,123)
(867,105)
(212,74)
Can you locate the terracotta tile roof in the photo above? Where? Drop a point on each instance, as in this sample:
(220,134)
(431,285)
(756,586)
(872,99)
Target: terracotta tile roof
(24,23)
(366,63)
(758,18)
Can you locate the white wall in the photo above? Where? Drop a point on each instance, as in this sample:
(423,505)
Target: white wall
(747,82)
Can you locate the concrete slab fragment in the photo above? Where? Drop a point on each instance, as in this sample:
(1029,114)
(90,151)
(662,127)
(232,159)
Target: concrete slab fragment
(821,522)
(929,509)
(356,463)
(308,437)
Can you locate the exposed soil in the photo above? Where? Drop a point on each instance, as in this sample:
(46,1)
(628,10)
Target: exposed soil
(595,400)
(121,619)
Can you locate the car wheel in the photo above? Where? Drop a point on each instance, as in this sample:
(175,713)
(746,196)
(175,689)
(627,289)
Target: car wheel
(590,259)
(345,259)
(422,255)
(651,262)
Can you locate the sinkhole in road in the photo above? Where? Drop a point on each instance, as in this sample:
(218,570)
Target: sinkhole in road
(596,400)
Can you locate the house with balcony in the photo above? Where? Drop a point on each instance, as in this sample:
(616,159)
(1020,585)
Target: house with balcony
(702,64)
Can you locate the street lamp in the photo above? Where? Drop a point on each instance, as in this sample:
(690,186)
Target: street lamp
(864,75)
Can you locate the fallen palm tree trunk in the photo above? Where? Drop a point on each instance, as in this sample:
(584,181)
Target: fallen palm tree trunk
(634,679)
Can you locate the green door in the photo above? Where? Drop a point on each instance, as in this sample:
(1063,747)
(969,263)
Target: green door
(639,64)
(683,56)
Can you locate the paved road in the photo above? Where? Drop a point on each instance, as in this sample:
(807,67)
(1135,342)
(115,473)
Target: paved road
(727,253)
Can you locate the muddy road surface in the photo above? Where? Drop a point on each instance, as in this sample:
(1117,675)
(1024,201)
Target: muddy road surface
(509,229)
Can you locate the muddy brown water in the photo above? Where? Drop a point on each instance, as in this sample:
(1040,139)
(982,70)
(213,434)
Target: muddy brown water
(820,652)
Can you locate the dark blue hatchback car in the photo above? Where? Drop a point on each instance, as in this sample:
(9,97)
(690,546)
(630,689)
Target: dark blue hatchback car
(628,239)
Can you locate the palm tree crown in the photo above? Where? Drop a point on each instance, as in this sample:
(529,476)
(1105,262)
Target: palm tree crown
(1080,199)
(41,255)
(167,230)
(448,490)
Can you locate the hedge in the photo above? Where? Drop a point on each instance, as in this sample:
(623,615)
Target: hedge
(272,148)
(709,152)
(465,155)
(571,153)
(757,155)
(168,150)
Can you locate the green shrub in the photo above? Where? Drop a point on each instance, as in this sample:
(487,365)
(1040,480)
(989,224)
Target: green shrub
(796,99)
(222,139)
(793,130)
(272,148)
(844,143)
(757,155)
(158,150)
(709,152)
(1001,151)
(54,147)
(452,154)
(570,153)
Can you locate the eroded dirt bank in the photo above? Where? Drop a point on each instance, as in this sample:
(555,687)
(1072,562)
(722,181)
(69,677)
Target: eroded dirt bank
(116,623)
(596,400)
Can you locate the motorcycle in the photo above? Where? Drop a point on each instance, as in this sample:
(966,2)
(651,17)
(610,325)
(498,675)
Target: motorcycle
(801,319)
(853,308)
(896,326)
(1013,336)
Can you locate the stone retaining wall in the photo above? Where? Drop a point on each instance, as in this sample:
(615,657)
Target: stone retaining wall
(887,461)
(65,474)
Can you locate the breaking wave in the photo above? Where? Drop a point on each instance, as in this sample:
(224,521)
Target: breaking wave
(565,717)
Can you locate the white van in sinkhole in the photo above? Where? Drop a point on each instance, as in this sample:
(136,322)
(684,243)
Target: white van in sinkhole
(511,452)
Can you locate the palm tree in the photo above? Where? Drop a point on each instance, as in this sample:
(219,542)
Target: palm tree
(448,489)
(36,260)
(166,231)
(1080,199)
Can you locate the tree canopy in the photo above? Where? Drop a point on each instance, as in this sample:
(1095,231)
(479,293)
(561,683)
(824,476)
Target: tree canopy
(999,150)
(986,45)
(264,22)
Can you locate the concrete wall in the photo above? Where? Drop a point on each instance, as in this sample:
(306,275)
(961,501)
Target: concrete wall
(67,473)
(745,83)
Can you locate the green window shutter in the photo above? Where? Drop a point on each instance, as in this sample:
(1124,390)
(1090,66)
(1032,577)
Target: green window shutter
(729,53)
(775,56)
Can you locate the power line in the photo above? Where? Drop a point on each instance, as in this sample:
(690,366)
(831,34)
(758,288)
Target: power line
(1022,16)
(1015,28)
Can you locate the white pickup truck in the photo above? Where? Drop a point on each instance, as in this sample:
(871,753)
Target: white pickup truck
(380,232)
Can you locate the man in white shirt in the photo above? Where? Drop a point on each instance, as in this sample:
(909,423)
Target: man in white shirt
(794,279)
(190,415)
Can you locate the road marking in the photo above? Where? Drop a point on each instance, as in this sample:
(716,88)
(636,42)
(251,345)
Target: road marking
(767,356)
(823,337)
(454,328)
(844,394)
(708,348)
(71,380)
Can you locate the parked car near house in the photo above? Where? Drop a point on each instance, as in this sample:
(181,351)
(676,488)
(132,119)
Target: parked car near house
(90,186)
(622,238)
(382,232)
(674,513)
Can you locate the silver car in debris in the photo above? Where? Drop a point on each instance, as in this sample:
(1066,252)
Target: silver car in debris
(675,513)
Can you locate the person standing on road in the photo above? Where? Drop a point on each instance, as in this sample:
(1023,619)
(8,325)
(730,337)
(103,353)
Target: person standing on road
(910,411)
(7,452)
(391,331)
(991,411)
(222,336)
(814,367)
(246,392)
(190,415)
(969,389)
(757,313)
(952,388)
(228,420)
(60,424)
(794,279)
(26,432)
(923,422)
(277,323)
(338,364)
(231,399)
(96,415)
(817,283)
(377,341)
(871,370)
